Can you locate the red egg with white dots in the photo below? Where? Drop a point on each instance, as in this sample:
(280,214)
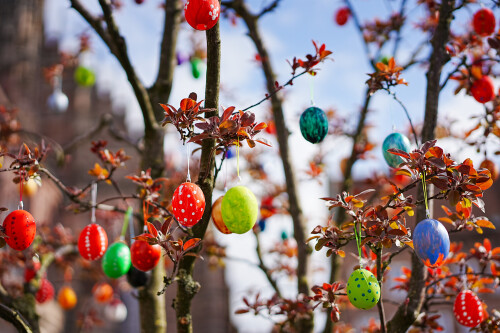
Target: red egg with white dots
(93,242)
(144,255)
(20,228)
(188,204)
(468,309)
(202,14)
(46,291)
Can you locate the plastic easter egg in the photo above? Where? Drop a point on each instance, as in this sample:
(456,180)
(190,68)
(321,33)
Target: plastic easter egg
(103,292)
(239,209)
(46,291)
(84,76)
(67,298)
(262,224)
(397,141)
(145,256)
(31,269)
(197,67)
(217,216)
(30,188)
(58,102)
(116,261)
(188,204)
(492,167)
(115,311)
(468,309)
(20,228)
(483,89)
(137,278)
(93,242)
(363,289)
(431,242)
(313,124)
(342,15)
(483,22)
(202,14)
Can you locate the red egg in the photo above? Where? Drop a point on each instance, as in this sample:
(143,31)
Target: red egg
(188,204)
(468,309)
(483,89)
(20,228)
(46,291)
(31,270)
(145,256)
(202,14)
(93,242)
(342,15)
(484,22)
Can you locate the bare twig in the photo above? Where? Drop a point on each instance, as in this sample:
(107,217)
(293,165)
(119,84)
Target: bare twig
(393,94)
(264,268)
(15,318)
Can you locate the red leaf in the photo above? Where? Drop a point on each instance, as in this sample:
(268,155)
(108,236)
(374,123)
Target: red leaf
(152,230)
(191,243)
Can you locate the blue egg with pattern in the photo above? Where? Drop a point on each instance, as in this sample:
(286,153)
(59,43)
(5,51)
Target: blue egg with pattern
(363,289)
(314,124)
(431,242)
(398,141)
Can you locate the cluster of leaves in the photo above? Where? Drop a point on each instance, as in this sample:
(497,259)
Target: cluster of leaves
(387,75)
(26,163)
(326,296)
(110,160)
(379,31)
(321,54)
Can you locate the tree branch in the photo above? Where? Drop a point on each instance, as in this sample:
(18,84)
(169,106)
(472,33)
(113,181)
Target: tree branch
(264,268)
(15,318)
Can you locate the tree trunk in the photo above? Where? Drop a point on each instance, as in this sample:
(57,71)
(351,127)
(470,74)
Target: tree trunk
(187,287)
(409,310)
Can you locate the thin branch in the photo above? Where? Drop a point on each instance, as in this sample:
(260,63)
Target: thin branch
(104,120)
(380,304)
(264,268)
(359,26)
(397,40)
(393,94)
(272,6)
(15,318)
(463,62)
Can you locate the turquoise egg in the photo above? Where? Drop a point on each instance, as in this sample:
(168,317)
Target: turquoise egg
(398,141)
(314,124)
(431,242)
(117,260)
(363,289)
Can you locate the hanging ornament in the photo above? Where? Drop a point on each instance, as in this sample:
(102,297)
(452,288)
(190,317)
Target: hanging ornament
(84,76)
(58,102)
(397,141)
(217,216)
(139,2)
(492,168)
(484,22)
(145,256)
(45,292)
(137,278)
(115,311)
(342,15)
(188,204)
(239,209)
(117,260)
(202,14)
(67,298)
(93,239)
(30,188)
(230,153)
(363,289)
(284,235)
(181,58)
(483,89)
(431,242)
(262,224)
(103,292)
(20,229)
(197,67)
(32,267)
(313,124)
(468,309)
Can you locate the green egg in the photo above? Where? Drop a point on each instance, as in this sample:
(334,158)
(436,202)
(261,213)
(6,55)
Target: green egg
(239,209)
(117,260)
(84,76)
(197,67)
(363,289)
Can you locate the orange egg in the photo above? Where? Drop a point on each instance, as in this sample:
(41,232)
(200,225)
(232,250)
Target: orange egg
(491,166)
(217,216)
(103,292)
(67,298)
(343,165)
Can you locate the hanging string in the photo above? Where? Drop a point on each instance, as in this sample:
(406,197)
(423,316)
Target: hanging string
(464,278)
(311,88)
(21,205)
(358,241)
(145,210)
(126,220)
(225,172)
(424,187)
(93,198)
(188,178)
(238,160)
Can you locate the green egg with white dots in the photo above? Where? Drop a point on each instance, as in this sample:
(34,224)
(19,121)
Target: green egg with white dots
(363,289)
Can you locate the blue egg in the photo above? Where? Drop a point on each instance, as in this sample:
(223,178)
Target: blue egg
(314,124)
(229,153)
(431,242)
(398,141)
(262,224)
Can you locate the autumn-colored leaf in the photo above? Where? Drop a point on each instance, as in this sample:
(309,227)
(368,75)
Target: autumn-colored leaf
(191,243)
(485,224)
(152,230)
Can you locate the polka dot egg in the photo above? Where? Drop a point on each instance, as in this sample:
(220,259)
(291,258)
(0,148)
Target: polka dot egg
(93,242)
(468,309)
(363,289)
(188,204)
(202,14)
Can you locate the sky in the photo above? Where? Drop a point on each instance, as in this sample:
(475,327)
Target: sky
(287,33)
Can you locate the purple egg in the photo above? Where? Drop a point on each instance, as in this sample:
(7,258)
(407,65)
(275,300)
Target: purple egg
(431,242)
